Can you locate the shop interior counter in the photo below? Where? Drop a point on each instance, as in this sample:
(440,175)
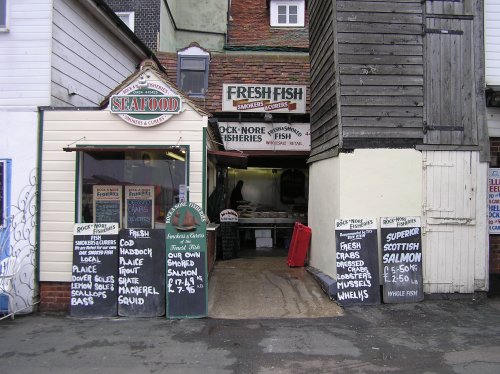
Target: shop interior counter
(273,223)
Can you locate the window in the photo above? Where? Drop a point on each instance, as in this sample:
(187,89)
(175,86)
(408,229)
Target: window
(127,18)
(192,71)
(289,13)
(3,15)
(161,172)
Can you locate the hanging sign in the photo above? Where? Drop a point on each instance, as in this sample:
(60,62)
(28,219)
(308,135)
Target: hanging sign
(186,246)
(266,136)
(401,259)
(357,261)
(263,98)
(494,200)
(107,204)
(139,207)
(94,273)
(146,102)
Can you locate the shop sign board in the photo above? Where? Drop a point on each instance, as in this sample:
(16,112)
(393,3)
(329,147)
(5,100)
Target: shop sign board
(401,259)
(357,261)
(107,204)
(139,204)
(263,98)
(94,291)
(266,136)
(186,262)
(146,103)
(494,200)
(230,233)
(141,273)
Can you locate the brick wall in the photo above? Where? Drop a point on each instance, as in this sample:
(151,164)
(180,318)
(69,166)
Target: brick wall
(55,296)
(495,239)
(147,18)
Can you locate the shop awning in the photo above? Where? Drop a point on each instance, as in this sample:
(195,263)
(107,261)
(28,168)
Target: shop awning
(92,148)
(232,159)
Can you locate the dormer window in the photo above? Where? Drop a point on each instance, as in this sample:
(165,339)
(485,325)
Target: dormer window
(287,13)
(127,18)
(192,71)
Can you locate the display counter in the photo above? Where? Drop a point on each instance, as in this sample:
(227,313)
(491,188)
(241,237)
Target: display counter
(270,223)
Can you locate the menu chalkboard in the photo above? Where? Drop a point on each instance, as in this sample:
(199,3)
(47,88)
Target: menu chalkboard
(141,279)
(139,203)
(3,173)
(357,262)
(95,270)
(230,234)
(107,204)
(186,246)
(401,259)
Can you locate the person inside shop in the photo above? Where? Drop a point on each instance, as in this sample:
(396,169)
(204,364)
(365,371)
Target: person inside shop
(236,195)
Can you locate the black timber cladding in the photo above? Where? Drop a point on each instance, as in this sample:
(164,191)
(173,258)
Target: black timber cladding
(380,48)
(454,73)
(324,123)
(402,73)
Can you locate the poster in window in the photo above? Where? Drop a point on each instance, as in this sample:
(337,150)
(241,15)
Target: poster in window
(494,200)
(139,207)
(107,204)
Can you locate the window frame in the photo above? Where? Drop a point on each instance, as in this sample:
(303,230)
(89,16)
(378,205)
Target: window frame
(193,54)
(131,19)
(5,5)
(274,16)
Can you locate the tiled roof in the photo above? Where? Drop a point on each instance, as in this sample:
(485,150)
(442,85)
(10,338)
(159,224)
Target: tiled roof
(249,25)
(291,69)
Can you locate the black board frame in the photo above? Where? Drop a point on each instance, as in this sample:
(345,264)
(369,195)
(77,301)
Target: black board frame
(357,262)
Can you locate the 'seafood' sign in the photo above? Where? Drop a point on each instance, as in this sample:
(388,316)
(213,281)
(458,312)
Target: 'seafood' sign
(263,98)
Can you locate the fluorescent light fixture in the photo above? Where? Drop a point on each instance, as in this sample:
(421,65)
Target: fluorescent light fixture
(175,156)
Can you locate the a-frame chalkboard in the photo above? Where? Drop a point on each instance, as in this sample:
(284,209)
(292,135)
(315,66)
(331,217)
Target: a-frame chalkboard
(186,263)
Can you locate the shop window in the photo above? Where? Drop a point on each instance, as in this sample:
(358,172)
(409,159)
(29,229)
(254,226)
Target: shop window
(127,18)
(3,15)
(288,13)
(192,71)
(161,174)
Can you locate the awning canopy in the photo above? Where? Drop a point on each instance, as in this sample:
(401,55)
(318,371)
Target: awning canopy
(232,159)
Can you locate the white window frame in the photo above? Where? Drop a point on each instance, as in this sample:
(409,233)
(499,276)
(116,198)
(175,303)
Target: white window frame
(194,53)
(4,4)
(130,18)
(301,8)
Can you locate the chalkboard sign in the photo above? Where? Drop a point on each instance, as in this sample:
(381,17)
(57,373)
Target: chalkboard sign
(3,173)
(186,246)
(230,234)
(95,272)
(141,273)
(107,204)
(139,203)
(357,262)
(402,259)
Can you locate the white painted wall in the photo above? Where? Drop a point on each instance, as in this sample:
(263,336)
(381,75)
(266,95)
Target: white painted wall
(20,147)
(59,170)
(25,54)
(368,183)
(324,208)
(492,41)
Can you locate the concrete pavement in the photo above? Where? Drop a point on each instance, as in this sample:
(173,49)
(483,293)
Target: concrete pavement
(457,336)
